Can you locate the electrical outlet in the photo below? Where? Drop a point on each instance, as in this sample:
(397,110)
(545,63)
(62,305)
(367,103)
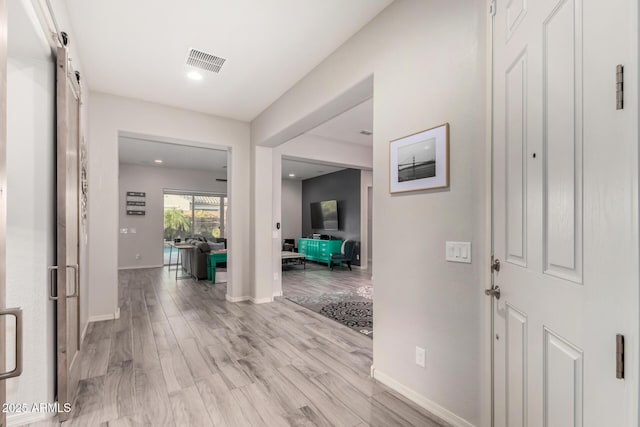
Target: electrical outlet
(275,276)
(138,256)
(420,357)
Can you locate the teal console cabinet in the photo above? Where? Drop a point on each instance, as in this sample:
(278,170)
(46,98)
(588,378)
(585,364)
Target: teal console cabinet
(319,250)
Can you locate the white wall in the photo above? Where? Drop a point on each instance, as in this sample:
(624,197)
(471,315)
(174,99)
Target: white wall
(31,224)
(111,115)
(291,208)
(325,150)
(428,62)
(153,180)
(31,203)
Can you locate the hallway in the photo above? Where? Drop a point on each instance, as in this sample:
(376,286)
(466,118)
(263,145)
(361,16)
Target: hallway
(181,355)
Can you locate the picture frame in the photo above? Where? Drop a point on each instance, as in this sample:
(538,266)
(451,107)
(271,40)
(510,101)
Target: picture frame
(420,161)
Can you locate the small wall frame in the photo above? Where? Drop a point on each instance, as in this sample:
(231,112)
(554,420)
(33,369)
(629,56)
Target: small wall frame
(420,161)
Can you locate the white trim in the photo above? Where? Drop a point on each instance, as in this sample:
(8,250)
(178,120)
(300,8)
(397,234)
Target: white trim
(84,331)
(25,418)
(250,299)
(101,317)
(140,267)
(236,299)
(277,294)
(421,400)
(260,300)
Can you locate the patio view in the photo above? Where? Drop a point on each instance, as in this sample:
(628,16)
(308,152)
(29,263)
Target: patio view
(193,214)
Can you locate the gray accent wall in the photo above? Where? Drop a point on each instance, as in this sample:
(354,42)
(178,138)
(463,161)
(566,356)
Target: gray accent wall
(343,186)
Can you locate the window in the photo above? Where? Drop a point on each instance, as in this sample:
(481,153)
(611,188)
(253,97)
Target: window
(188,214)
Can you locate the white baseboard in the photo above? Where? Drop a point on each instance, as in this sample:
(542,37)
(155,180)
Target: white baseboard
(250,299)
(260,300)
(136,267)
(101,317)
(236,299)
(277,294)
(27,418)
(84,331)
(420,400)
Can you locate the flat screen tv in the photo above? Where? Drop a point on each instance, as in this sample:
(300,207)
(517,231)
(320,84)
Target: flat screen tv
(324,215)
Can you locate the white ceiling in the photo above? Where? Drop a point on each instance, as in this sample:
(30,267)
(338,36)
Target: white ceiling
(138,48)
(305,170)
(143,152)
(347,126)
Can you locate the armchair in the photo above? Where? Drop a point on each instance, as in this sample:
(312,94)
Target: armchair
(347,254)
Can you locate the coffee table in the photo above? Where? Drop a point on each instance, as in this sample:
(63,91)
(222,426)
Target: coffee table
(288,257)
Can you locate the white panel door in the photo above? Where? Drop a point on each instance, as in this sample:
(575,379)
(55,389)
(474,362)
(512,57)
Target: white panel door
(565,209)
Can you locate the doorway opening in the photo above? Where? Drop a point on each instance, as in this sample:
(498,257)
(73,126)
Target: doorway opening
(325,211)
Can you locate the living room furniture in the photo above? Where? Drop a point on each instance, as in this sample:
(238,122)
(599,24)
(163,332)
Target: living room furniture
(183,250)
(194,258)
(346,254)
(213,259)
(319,250)
(289,257)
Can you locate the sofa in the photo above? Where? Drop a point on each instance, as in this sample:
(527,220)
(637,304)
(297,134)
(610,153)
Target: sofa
(194,261)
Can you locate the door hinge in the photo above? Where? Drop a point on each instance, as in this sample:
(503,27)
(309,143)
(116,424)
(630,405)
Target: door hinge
(620,87)
(492,8)
(620,357)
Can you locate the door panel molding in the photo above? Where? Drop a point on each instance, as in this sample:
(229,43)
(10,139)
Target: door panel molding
(563,381)
(516,367)
(516,11)
(516,160)
(562,141)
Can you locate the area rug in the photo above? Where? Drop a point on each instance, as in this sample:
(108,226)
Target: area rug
(352,309)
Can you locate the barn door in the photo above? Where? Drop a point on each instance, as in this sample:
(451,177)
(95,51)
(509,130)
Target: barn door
(66,292)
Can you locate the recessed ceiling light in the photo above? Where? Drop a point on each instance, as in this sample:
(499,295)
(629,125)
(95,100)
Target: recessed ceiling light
(158,161)
(292,175)
(194,75)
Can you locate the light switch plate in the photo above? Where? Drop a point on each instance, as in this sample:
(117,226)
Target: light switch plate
(458,252)
(420,357)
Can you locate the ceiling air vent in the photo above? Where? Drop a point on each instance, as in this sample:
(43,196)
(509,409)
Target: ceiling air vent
(204,61)
(366,132)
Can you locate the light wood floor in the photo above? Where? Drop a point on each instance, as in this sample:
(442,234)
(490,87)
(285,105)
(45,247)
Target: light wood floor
(182,355)
(317,279)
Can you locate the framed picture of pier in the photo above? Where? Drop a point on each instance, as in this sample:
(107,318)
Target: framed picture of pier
(420,161)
